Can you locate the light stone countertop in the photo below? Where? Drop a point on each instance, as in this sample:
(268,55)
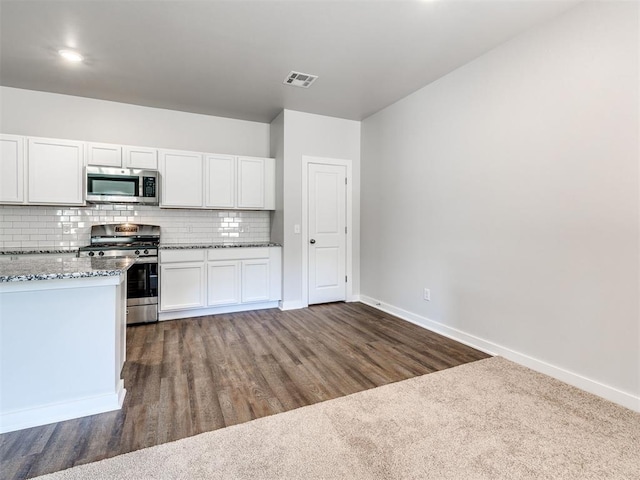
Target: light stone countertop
(52,268)
(186,246)
(35,251)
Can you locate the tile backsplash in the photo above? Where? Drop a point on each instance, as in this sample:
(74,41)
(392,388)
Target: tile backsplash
(63,228)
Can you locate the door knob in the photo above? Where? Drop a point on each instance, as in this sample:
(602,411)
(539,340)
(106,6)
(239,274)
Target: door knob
(312,241)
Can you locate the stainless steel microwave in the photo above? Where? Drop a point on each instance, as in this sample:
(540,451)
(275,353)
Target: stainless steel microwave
(122,185)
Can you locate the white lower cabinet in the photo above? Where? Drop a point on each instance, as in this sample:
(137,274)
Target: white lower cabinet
(218,280)
(182,286)
(255,280)
(223,283)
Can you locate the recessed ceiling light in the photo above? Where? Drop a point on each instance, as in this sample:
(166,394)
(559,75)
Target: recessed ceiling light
(71,55)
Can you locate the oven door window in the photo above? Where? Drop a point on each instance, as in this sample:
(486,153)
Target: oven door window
(142,280)
(113,185)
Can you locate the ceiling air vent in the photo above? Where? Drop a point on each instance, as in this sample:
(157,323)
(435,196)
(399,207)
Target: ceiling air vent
(298,79)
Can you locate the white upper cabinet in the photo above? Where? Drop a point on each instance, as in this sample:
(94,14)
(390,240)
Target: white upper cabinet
(181,178)
(227,182)
(140,157)
(220,181)
(104,155)
(55,171)
(118,156)
(11,169)
(250,182)
(256,183)
(48,171)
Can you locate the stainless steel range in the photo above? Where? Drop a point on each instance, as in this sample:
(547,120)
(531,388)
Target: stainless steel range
(141,243)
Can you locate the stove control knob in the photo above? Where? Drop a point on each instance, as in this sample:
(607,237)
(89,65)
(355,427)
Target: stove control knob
(146,252)
(101,254)
(91,254)
(137,252)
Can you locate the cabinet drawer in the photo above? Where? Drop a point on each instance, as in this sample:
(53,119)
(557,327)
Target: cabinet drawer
(190,255)
(237,253)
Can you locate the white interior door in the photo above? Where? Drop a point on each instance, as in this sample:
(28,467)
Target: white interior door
(327,233)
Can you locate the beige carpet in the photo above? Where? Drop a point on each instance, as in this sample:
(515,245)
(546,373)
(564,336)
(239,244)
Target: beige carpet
(485,420)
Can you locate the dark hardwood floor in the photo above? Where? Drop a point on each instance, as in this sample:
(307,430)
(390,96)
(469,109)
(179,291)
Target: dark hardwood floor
(190,376)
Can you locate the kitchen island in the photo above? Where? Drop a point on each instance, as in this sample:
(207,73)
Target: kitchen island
(62,338)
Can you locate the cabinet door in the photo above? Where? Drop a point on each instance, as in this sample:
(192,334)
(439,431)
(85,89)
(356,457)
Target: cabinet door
(220,184)
(140,157)
(55,171)
(250,183)
(181,176)
(223,283)
(255,280)
(104,155)
(182,286)
(11,169)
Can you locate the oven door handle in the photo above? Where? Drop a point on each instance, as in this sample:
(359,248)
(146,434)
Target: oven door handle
(146,260)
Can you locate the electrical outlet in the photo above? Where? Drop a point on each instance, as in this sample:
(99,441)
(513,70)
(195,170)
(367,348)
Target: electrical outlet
(426,294)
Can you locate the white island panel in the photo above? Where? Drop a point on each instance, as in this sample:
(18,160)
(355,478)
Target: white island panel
(61,349)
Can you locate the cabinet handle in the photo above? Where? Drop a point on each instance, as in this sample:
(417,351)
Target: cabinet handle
(312,241)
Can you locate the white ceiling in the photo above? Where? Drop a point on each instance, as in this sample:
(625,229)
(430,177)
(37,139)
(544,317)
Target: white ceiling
(229,58)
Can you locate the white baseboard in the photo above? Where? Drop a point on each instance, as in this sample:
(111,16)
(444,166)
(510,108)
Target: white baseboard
(592,386)
(201,312)
(298,304)
(58,412)
(292,305)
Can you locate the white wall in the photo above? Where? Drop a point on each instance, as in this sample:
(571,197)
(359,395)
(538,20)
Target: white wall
(510,189)
(277,152)
(306,134)
(27,112)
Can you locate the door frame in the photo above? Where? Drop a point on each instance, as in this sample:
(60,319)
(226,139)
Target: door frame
(304,230)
